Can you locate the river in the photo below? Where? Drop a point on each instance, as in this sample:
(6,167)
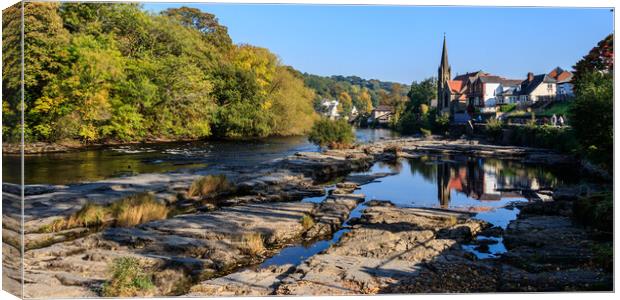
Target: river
(484,186)
(127,160)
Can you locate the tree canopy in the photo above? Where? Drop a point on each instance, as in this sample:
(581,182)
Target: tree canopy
(110,71)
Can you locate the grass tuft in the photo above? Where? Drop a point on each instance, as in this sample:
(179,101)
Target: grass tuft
(129,279)
(252,243)
(89,215)
(138,209)
(307,222)
(209,185)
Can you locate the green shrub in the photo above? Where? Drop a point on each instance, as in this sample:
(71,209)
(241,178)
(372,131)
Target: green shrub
(129,279)
(558,138)
(494,129)
(440,123)
(507,107)
(335,134)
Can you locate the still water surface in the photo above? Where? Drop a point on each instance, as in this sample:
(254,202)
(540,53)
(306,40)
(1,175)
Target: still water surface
(486,187)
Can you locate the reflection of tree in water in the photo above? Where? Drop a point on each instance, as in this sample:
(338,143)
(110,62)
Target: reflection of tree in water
(425,167)
(394,166)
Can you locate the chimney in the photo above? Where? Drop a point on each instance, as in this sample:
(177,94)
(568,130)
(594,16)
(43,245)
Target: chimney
(530,76)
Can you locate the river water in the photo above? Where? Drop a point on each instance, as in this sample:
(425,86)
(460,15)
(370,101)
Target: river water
(126,160)
(486,187)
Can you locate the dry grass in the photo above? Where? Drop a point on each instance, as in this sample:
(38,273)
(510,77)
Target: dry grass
(129,211)
(89,215)
(209,185)
(252,243)
(307,222)
(138,209)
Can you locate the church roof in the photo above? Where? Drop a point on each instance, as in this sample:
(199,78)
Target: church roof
(455,85)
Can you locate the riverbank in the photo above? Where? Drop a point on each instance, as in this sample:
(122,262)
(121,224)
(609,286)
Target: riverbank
(211,239)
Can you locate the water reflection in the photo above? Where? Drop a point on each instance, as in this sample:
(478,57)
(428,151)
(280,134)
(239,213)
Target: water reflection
(474,184)
(459,182)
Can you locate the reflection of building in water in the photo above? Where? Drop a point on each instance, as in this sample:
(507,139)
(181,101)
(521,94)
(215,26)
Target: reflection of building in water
(443,184)
(484,181)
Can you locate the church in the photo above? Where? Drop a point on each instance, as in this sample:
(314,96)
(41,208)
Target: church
(478,91)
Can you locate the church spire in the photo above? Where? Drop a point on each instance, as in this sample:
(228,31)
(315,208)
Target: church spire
(444,54)
(444,75)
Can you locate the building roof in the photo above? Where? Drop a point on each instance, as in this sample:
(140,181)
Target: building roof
(555,72)
(384,108)
(565,77)
(561,75)
(528,86)
(455,85)
(469,75)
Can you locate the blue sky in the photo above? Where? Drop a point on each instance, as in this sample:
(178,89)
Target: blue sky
(403,43)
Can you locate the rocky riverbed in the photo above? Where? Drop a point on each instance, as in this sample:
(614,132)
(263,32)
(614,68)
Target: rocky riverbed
(212,246)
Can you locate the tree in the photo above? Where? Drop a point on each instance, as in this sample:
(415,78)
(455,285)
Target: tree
(345,103)
(421,93)
(45,42)
(591,114)
(292,109)
(365,101)
(204,22)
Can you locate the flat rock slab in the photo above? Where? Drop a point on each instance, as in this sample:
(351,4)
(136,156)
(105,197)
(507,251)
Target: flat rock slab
(249,282)
(279,221)
(386,245)
(201,244)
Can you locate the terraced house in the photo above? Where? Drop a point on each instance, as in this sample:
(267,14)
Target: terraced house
(481,92)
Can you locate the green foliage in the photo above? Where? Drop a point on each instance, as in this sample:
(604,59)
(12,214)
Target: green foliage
(332,133)
(494,129)
(111,71)
(422,93)
(129,279)
(546,136)
(591,116)
(595,211)
(507,107)
(417,115)
(558,109)
(364,94)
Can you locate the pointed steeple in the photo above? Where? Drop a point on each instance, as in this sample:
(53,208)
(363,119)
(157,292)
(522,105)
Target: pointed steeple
(444,53)
(444,75)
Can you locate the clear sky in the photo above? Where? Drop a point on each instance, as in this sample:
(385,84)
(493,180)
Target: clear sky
(403,43)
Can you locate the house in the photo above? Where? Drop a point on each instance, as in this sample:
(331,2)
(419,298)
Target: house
(382,114)
(487,91)
(329,108)
(564,85)
(537,88)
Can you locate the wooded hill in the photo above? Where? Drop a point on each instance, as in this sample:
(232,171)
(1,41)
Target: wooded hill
(352,90)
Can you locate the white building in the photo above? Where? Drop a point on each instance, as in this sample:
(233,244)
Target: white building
(330,108)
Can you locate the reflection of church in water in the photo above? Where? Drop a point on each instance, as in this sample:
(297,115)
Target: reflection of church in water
(480,181)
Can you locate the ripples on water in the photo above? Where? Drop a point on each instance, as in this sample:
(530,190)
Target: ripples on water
(126,160)
(486,187)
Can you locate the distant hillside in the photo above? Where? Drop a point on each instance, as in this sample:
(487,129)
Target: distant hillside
(364,94)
